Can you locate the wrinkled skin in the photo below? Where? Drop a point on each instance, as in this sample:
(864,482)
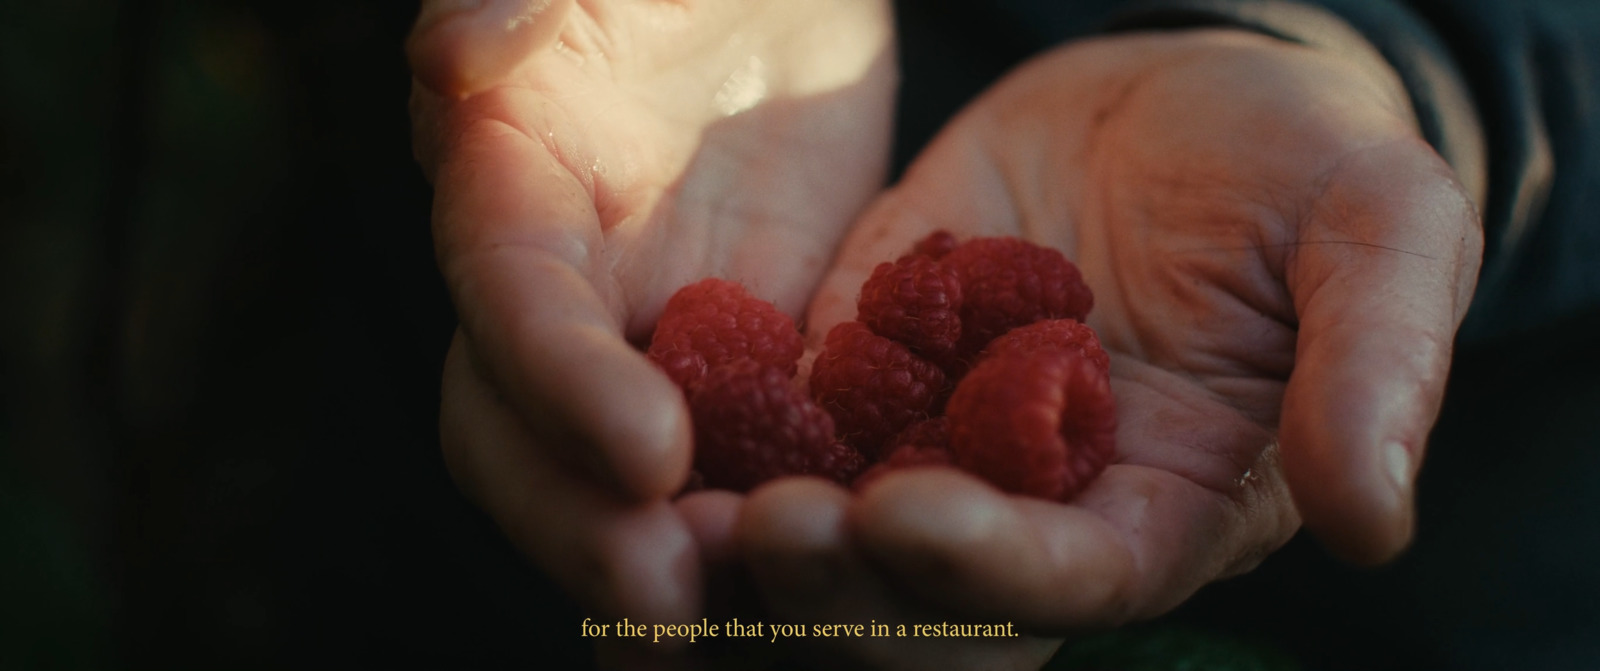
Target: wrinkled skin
(1280,264)
(588,159)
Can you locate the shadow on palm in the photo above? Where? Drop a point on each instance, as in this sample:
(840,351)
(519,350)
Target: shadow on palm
(639,147)
(1244,212)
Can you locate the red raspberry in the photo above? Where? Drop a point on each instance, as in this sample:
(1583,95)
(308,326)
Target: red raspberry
(1041,423)
(714,321)
(873,386)
(1009,282)
(751,424)
(1067,333)
(926,443)
(906,456)
(933,432)
(684,366)
(916,301)
(936,245)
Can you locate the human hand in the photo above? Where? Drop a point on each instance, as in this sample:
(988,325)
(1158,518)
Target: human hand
(588,159)
(1280,264)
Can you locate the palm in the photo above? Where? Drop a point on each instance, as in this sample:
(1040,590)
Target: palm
(1179,226)
(1199,326)
(622,150)
(1220,194)
(719,138)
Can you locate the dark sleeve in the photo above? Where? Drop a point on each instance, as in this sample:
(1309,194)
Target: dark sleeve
(1504,90)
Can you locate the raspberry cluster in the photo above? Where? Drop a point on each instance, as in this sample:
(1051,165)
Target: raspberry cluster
(968,354)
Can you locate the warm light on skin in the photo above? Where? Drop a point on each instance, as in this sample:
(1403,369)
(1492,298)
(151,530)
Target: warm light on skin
(461,47)
(529,12)
(586,162)
(745,67)
(744,89)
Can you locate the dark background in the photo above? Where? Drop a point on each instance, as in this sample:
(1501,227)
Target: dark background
(220,340)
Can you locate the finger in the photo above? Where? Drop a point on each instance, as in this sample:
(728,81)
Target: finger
(520,247)
(460,47)
(985,552)
(1135,544)
(796,539)
(712,516)
(1381,277)
(1196,494)
(617,557)
(792,534)
(427,113)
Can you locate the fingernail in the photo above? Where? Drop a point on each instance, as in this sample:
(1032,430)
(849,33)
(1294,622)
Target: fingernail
(1397,462)
(434,11)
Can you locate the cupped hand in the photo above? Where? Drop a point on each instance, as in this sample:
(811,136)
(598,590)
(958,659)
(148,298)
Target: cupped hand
(589,158)
(1280,264)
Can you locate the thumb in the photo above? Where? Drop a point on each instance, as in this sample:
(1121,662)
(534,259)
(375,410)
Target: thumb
(1381,275)
(461,47)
